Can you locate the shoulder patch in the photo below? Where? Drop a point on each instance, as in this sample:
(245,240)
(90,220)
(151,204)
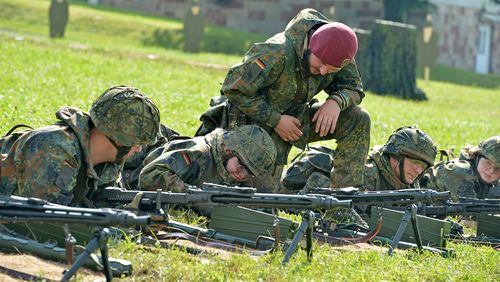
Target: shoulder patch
(260,63)
(254,70)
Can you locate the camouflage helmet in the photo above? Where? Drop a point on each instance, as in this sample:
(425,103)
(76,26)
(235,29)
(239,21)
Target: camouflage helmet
(411,142)
(490,149)
(126,115)
(254,147)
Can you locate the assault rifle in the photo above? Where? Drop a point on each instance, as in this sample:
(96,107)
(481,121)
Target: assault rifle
(406,199)
(391,197)
(465,206)
(16,209)
(213,195)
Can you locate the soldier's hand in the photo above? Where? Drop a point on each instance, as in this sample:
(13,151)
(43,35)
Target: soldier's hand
(288,128)
(326,117)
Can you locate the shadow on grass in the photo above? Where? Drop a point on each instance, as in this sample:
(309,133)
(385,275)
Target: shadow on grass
(463,77)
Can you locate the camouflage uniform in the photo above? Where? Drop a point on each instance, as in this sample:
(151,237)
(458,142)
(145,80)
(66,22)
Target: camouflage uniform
(202,159)
(271,82)
(50,162)
(133,165)
(54,162)
(459,176)
(378,174)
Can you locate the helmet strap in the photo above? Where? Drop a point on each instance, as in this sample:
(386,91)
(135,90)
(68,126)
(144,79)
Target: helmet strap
(402,177)
(122,151)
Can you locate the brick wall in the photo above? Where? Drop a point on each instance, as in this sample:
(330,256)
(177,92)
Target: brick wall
(495,49)
(458,29)
(262,16)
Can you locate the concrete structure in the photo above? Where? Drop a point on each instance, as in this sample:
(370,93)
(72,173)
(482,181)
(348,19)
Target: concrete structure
(469,34)
(469,30)
(262,16)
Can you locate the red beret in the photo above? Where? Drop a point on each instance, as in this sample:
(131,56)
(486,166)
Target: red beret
(333,43)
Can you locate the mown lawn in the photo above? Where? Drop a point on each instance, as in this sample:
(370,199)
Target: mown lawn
(38,75)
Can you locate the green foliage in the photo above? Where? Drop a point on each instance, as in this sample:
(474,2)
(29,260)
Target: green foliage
(393,60)
(39,75)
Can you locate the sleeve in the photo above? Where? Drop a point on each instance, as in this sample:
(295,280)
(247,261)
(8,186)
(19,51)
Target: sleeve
(244,83)
(370,176)
(48,169)
(170,171)
(346,87)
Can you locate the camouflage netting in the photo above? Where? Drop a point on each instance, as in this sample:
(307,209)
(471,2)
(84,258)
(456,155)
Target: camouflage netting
(364,57)
(387,60)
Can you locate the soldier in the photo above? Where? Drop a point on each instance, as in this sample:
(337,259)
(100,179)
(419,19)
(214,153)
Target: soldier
(221,157)
(275,84)
(132,168)
(395,165)
(472,175)
(68,161)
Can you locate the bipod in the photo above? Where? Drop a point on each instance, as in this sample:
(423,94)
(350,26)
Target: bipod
(99,240)
(306,227)
(410,213)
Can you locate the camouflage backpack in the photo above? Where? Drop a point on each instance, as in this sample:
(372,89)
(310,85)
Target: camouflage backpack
(312,167)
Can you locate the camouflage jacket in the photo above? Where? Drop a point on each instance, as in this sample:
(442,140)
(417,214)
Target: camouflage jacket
(378,174)
(133,165)
(458,176)
(190,161)
(307,170)
(270,81)
(52,161)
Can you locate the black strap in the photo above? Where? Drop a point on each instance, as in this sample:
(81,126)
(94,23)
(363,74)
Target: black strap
(16,127)
(80,190)
(210,243)
(22,275)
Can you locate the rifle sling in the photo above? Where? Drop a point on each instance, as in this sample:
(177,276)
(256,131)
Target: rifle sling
(22,275)
(333,240)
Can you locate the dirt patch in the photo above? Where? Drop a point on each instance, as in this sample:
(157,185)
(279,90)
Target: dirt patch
(360,247)
(42,268)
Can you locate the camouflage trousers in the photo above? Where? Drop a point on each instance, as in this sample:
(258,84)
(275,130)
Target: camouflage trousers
(352,134)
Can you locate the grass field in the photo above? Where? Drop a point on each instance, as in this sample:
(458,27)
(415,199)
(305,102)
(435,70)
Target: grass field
(104,47)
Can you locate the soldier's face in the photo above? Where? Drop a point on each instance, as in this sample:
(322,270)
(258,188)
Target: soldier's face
(487,170)
(236,170)
(318,67)
(413,168)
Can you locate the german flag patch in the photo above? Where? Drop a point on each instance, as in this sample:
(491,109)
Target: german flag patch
(254,70)
(260,63)
(186,158)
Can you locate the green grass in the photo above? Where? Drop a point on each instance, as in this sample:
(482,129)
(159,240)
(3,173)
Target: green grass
(38,75)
